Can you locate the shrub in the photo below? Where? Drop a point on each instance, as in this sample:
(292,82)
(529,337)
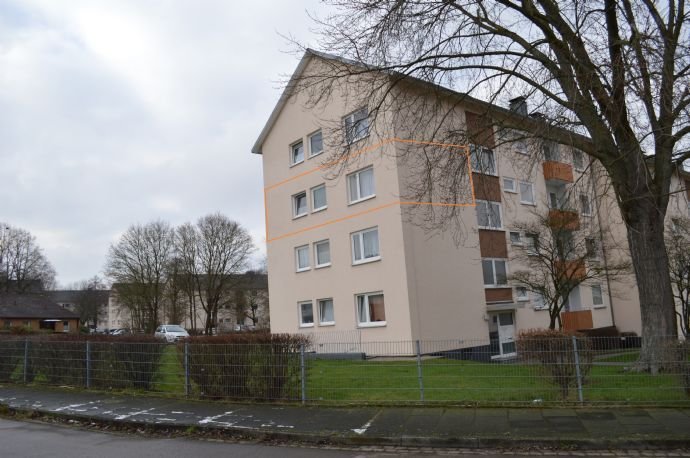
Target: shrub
(553,351)
(251,365)
(11,353)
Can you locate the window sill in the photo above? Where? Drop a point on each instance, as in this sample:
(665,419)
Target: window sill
(321,266)
(602,306)
(356,140)
(299,216)
(315,154)
(531,204)
(327,323)
(316,210)
(375,324)
(541,309)
(306,269)
(494,174)
(306,325)
(297,163)
(509,191)
(366,261)
(524,299)
(363,199)
(496,286)
(488,228)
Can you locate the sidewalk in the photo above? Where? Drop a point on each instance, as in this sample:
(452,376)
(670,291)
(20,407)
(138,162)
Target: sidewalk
(622,428)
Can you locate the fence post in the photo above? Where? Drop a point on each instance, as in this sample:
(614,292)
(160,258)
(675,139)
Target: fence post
(577,370)
(303,373)
(186,369)
(26,359)
(419,371)
(88,364)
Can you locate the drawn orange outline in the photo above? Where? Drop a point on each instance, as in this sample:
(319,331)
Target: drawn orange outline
(374,209)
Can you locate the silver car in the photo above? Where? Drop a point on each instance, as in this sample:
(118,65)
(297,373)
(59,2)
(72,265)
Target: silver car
(171,332)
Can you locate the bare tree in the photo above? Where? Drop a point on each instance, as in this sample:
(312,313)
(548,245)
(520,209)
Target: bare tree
(678,246)
(138,266)
(90,299)
(559,255)
(176,293)
(617,72)
(23,265)
(212,252)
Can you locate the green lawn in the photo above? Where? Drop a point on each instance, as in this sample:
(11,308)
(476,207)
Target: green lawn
(169,377)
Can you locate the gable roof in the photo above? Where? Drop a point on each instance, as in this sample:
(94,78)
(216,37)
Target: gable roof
(75,296)
(32,306)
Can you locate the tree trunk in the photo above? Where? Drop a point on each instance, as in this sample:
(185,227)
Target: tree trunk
(645,227)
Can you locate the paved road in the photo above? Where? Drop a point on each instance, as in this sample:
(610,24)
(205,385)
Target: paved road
(37,440)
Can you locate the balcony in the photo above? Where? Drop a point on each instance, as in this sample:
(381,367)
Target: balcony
(558,172)
(574,270)
(564,219)
(575,321)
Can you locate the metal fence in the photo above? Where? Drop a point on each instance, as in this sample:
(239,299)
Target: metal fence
(559,371)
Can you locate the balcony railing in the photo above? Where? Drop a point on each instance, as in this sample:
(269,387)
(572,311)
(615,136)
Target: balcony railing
(574,270)
(558,171)
(575,321)
(564,219)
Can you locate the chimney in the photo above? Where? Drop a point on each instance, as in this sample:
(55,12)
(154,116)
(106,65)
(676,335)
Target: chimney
(518,105)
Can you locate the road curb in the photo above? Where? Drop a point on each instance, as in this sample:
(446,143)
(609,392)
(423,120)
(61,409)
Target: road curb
(473,442)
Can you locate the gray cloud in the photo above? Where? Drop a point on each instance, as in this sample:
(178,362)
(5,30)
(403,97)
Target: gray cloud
(118,112)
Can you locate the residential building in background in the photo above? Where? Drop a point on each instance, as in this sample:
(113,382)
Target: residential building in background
(349,253)
(37,312)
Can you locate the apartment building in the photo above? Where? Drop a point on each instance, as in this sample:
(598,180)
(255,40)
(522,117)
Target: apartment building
(347,252)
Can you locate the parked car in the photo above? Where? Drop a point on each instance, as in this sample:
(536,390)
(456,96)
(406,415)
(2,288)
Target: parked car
(120,332)
(171,332)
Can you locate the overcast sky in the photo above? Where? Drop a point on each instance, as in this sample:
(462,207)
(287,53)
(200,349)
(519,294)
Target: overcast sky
(125,111)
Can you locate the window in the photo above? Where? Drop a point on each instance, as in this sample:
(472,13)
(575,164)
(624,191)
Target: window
(322,253)
(515,238)
(299,204)
(597,296)
(578,160)
(585,205)
(302,258)
(539,302)
(318,198)
(356,125)
(531,243)
(521,294)
(370,309)
(509,184)
(315,144)
(526,193)
(520,146)
(494,271)
(550,151)
(297,153)
(591,248)
(553,200)
(326,314)
(488,214)
(361,185)
(483,160)
(365,246)
(306,314)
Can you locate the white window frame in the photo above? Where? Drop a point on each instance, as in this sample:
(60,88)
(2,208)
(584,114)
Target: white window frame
(297,266)
(318,304)
(601,295)
(584,198)
(481,150)
(531,186)
(311,191)
(519,241)
(369,323)
(357,174)
(296,215)
(318,265)
(360,234)
(292,152)
(593,255)
(531,247)
(513,189)
(300,316)
(487,203)
(580,167)
(312,153)
(348,140)
(519,297)
(493,270)
(538,301)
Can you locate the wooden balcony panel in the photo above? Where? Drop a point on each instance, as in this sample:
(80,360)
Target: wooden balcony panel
(486,187)
(575,321)
(558,171)
(575,270)
(564,219)
(492,244)
(498,295)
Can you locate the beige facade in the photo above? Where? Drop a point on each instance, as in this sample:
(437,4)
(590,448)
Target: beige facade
(432,284)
